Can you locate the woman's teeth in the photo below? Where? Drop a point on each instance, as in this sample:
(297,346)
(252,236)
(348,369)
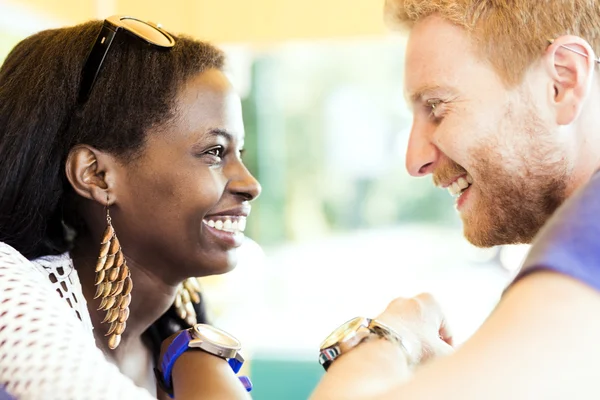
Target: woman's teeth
(228,224)
(460,185)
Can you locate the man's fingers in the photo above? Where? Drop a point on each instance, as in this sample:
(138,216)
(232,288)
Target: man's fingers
(446,333)
(429,304)
(442,348)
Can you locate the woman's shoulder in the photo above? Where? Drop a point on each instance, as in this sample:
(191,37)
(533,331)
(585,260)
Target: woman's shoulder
(44,352)
(14,266)
(9,256)
(18,273)
(53,272)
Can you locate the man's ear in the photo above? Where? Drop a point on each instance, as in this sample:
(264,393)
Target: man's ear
(91,173)
(570,62)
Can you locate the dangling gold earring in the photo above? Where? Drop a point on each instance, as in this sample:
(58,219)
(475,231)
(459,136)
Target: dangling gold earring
(113,283)
(187,292)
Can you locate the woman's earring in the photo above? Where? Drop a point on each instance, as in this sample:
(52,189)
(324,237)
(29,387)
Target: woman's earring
(113,284)
(187,292)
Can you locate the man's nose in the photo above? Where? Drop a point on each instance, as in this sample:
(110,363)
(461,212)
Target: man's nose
(421,154)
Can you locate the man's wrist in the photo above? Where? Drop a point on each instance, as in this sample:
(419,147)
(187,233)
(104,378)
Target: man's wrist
(354,332)
(369,371)
(372,356)
(409,340)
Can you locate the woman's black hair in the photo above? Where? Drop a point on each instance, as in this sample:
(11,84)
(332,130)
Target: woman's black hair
(41,121)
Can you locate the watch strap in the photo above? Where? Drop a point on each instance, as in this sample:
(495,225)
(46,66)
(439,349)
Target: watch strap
(176,349)
(236,362)
(326,356)
(386,332)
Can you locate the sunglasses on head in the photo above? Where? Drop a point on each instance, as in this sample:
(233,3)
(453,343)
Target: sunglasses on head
(114,26)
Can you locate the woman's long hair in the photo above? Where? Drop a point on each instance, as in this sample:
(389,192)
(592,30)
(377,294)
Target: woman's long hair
(41,120)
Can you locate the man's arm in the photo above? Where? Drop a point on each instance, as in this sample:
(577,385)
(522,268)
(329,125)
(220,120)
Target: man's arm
(377,366)
(541,342)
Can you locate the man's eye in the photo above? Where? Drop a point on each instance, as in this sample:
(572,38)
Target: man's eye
(434,107)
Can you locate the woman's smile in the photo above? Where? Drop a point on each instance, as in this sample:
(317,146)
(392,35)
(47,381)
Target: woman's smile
(227,226)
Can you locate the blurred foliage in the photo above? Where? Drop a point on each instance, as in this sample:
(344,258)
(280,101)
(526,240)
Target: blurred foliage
(326,127)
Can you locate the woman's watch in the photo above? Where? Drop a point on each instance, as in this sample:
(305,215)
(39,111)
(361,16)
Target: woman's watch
(351,334)
(205,338)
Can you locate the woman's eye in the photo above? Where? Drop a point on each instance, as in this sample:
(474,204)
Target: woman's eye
(216,151)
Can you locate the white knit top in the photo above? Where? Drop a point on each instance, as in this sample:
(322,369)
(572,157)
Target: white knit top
(47,349)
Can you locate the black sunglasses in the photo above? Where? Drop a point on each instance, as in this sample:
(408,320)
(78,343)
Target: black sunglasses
(150,33)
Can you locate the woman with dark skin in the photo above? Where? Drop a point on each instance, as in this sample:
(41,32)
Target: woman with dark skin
(158,145)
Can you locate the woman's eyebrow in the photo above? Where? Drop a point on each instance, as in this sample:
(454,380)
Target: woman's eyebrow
(221,132)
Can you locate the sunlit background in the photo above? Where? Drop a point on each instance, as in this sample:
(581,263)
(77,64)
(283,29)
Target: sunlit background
(340,229)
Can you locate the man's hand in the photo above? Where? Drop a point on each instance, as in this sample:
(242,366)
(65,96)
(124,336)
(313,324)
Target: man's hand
(421,324)
(376,367)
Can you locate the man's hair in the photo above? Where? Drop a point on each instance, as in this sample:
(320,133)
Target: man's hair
(41,120)
(510,34)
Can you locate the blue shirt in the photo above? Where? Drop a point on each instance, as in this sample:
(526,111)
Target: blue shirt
(4,395)
(570,242)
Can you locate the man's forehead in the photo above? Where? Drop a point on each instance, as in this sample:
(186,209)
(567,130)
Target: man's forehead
(437,31)
(439,57)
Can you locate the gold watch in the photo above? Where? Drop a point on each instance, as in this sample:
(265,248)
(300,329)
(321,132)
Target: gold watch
(351,334)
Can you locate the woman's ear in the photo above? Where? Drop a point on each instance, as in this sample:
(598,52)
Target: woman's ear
(91,173)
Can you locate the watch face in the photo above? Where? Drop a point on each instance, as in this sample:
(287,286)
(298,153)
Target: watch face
(216,336)
(344,331)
